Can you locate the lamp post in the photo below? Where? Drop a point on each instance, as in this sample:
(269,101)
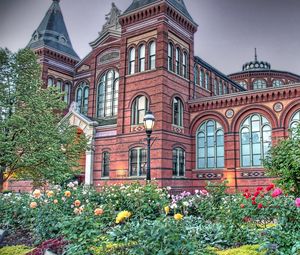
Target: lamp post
(149,121)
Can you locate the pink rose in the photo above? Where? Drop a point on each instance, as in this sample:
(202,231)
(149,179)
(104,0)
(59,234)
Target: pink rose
(297,202)
(277,192)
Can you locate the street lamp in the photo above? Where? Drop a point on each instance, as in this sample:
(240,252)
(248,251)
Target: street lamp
(149,121)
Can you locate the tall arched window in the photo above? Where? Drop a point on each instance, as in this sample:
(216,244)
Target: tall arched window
(210,145)
(82,97)
(225,89)
(105,164)
(202,78)
(50,82)
(220,88)
(142,55)
(139,108)
(170,57)
(177,60)
(177,112)
(255,140)
(259,84)
(196,74)
(137,162)
(131,61)
(295,121)
(107,94)
(277,83)
(59,85)
(67,89)
(215,86)
(178,162)
(184,64)
(152,55)
(207,81)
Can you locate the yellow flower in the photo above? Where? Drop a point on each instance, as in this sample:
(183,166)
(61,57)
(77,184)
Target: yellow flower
(98,211)
(77,203)
(122,216)
(167,210)
(36,193)
(178,216)
(67,193)
(50,193)
(33,205)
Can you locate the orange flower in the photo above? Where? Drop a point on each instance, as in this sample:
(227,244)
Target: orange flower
(67,193)
(37,193)
(98,211)
(55,201)
(33,205)
(50,193)
(77,203)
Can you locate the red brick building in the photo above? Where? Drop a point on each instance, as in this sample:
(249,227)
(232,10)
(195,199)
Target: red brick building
(208,126)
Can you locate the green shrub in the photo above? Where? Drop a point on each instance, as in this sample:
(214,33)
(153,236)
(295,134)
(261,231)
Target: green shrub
(15,250)
(243,250)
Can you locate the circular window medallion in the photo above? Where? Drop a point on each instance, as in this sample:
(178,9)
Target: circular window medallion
(278,107)
(229,113)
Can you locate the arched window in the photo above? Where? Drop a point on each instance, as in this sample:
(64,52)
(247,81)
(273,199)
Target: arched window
(50,82)
(255,140)
(196,74)
(67,89)
(207,81)
(178,162)
(131,61)
(82,97)
(184,64)
(216,86)
(142,55)
(177,61)
(152,55)
(210,145)
(170,57)
(107,94)
(259,84)
(202,78)
(139,109)
(137,162)
(177,112)
(277,83)
(105,164)
(225,89)
(243,84)
(59,85)
(295,121)
(220,88)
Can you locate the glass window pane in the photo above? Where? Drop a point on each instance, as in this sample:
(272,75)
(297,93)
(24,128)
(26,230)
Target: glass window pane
(211,151)
(210,141)
(201,162)
(220,151)
(256,160)
(245,161)
(256,149)
(220,161)
(256,137)
(210,162)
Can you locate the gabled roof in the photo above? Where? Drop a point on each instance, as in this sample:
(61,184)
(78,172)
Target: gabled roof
(52,33)
(177,4)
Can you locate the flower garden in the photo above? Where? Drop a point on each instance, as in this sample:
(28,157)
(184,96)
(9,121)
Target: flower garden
(144,219)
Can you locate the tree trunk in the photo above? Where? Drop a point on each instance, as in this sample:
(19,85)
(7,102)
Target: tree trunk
(1,180)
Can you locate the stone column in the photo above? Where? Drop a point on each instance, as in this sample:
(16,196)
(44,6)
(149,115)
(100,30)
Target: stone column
(89,158)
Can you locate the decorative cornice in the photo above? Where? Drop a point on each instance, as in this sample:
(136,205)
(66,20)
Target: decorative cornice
(244,98)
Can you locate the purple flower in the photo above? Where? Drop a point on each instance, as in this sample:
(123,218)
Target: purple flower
(297,202)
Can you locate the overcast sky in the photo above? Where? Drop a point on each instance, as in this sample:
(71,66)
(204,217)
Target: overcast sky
(227,34)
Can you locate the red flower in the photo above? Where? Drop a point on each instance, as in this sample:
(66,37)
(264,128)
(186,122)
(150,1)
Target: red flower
(259,206)
(246,190)
(271,186)
(259,188)
(254,202)
(253,198)
(256,193)
(262,195)
(242,206)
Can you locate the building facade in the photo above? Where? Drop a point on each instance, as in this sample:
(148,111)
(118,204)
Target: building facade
(209,126)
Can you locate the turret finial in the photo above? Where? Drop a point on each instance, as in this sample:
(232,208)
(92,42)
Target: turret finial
(255,56)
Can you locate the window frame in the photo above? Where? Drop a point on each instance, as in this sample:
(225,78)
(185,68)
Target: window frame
(142,58)
(135,111)
(105,164)
(170,57)
(152,57)
(84,100)
(131,61)
(141,165)
(179,113)
(178,172)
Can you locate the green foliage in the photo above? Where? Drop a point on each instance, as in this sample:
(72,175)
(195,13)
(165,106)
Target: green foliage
(15,250)
(243,250)
(283,161)
(31,137)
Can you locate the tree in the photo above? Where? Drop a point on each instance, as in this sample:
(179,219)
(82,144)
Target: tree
(33,144)
(283,162)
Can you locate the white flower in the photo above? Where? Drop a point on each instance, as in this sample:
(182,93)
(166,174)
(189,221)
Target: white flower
(196,191)
(185,203)
(173,206)
(168,188)
(71,185)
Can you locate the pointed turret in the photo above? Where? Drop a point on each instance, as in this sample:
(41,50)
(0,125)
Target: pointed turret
(52,33)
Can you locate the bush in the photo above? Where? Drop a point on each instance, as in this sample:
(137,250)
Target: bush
(243,250)
(15,250)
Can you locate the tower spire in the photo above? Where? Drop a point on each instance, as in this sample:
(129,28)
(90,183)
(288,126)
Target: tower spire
(255,54)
